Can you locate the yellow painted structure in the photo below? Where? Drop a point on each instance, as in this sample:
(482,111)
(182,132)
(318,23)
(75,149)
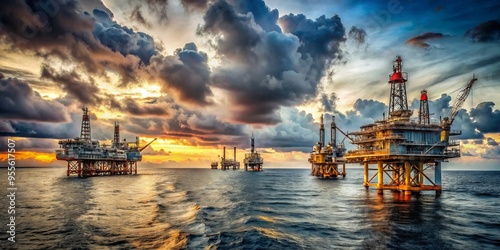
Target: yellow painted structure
(327,159)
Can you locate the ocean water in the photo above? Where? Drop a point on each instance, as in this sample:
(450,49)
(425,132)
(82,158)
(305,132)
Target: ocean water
(275,209)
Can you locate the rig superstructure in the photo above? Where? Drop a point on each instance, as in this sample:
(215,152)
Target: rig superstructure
(86,157)
(403,149)
(253,161)
(226,164)
(326,159)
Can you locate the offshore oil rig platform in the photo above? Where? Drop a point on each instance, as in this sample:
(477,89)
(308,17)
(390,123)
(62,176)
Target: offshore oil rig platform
(253,161)
(326,159)
(226,164)
(87,158)
(403,149)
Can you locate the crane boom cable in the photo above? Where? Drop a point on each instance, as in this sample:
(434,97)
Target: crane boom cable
(459,101)
(141,149)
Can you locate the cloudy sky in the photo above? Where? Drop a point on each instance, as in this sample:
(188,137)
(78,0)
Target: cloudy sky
(201,74)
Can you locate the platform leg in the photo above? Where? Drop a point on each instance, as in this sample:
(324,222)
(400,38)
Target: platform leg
(437,174)
(380,175)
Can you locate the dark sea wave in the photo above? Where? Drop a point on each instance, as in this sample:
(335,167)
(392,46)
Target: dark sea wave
(274,209)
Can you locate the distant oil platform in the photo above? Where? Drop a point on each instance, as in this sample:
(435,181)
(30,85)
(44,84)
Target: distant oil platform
(253,161)
(226,164)
(87,158)
(403,149)
(326,159)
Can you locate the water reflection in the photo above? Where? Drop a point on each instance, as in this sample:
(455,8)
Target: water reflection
(400,221)
(284,209)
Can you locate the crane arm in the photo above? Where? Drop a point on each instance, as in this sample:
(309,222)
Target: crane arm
(345,135)
(461,99)
(140,150)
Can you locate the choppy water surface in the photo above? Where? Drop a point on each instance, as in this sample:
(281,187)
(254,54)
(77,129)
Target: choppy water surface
(274,209)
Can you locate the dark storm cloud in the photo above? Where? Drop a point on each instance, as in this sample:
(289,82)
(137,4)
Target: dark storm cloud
(262,14)
(196,127)
(45,130)
(297,131)
(328,102)
(195,4)
(102,129)
(18,101)
(143,11)
(72,83)
(264,69)
(358,34)
(193,126)
(491,142)
(209,124)
(186,73)
(370,108)
(132,107)
(40,145)
(420,40)
(492,153)
(123,39)
(62,29)
(6,127)
(319,39)
(137,16)
(240,34)
(485,118)
(16,73)
(464,123)
(440,107)
(159,7)
(485,32)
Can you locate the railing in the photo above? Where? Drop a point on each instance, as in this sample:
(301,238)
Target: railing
(452,153)
(364,152)
(447,153)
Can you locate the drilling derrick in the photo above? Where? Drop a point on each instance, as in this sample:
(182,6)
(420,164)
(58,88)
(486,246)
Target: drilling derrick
(326,159)
(322,133)
(85,130)
(423,114)
(116,135)
(398,103)
(227,164)
(253,161)
(87,158)
(405,151)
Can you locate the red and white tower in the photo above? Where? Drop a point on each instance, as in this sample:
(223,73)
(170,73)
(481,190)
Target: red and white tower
(85,132)
(423,114)
(398,103)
